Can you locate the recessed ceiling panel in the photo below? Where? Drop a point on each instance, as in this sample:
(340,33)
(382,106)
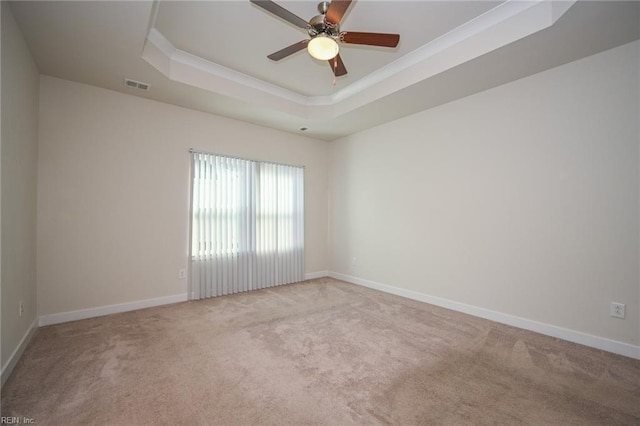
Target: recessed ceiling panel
(240,35)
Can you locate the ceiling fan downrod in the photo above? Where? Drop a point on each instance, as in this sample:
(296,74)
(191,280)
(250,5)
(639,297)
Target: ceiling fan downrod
(323,6)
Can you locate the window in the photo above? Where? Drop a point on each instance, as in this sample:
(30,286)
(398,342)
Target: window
(247,226)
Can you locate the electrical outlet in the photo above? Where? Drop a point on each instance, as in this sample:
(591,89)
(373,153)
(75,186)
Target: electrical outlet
(182,273)
(21,308)
(617,310)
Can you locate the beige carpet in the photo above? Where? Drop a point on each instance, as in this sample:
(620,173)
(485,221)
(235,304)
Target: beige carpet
(320,352)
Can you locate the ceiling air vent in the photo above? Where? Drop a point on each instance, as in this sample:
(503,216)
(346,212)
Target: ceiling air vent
(136,84)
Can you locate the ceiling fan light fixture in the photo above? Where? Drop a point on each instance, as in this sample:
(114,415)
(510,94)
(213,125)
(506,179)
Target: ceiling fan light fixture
(323,47)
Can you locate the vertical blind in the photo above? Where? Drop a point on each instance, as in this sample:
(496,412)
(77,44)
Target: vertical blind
(247,225)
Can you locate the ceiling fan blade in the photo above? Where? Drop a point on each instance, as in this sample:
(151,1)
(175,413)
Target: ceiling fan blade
(371,39)
(337,66)
(281,12)
(336,11)
(290,50)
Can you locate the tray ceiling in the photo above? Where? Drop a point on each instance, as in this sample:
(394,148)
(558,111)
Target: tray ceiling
(211,56)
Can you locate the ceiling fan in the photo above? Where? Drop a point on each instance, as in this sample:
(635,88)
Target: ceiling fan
(324,32)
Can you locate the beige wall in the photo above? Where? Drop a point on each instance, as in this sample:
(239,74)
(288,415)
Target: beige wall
(113,192)
(19,170)
(522,199)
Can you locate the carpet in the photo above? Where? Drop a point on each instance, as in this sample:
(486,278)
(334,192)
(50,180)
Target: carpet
(321,352)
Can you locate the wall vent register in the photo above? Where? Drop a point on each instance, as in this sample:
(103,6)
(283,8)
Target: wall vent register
(136,84)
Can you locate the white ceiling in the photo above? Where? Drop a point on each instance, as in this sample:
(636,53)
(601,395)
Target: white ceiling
(240,35)
(211,56)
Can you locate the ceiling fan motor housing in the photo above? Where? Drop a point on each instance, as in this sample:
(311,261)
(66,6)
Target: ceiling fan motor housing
(318,24)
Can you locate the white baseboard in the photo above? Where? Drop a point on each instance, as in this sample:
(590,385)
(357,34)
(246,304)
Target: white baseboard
(17,353)
(318,274)
(110,309)
(131,306)
(597,342)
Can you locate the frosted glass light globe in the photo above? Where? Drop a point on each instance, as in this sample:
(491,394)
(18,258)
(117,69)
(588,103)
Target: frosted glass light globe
(323,47)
